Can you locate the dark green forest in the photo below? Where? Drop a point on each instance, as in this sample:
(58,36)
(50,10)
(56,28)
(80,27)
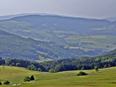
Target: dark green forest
(85,63)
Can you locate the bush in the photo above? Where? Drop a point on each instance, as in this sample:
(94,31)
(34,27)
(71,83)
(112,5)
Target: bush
(27,79)
(0,83)
(32,78)
(6,83)
(82,74)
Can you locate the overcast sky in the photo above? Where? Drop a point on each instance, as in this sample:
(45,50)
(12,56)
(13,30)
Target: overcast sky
(83,8)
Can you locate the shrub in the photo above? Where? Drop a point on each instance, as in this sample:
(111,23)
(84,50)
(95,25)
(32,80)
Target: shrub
(27,79)
(82,74)
(32,78)
(0,83)
(6,83)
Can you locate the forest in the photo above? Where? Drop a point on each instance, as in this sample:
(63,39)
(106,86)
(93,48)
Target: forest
(84,63)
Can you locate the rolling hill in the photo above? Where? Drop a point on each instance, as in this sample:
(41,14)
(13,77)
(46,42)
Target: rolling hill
(105,77)
(13,46)
(49,37)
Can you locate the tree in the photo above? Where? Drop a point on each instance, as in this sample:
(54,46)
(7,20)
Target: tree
(96,69)
(52,71)
(82,74)
(32,78)
(18,64)
(7,61)
(29,78)
(39,69)
(32,67)
(0,83)
(6,83)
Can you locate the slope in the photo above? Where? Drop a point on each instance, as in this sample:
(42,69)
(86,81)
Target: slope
(63,37)
(105,77)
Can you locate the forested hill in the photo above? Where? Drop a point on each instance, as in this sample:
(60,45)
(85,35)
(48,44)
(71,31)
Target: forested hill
(51,37)
(112,53)
(104,61)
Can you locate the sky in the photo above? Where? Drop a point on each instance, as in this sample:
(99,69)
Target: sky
(78,8)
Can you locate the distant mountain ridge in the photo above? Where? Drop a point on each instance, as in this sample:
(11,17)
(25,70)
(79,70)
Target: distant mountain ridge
(112,19)
(49,37)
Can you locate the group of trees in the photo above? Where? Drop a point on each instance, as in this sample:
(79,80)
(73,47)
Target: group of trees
(80,64)
(64,64)
(22,63)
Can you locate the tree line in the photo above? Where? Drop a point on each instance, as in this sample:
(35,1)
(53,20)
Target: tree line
(84,63)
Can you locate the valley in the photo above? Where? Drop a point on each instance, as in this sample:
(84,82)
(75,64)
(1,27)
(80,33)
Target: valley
(57,43)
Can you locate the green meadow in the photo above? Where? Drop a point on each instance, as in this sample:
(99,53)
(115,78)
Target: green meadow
(102,78)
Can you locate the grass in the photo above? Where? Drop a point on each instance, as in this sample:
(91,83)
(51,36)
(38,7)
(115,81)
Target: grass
(103,78)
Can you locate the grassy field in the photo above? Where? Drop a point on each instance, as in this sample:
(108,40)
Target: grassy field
(103,78)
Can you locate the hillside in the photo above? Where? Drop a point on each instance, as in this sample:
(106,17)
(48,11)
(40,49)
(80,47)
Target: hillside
(14,46)
(49,37)
(111,53)
(83,63)
(105,77)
